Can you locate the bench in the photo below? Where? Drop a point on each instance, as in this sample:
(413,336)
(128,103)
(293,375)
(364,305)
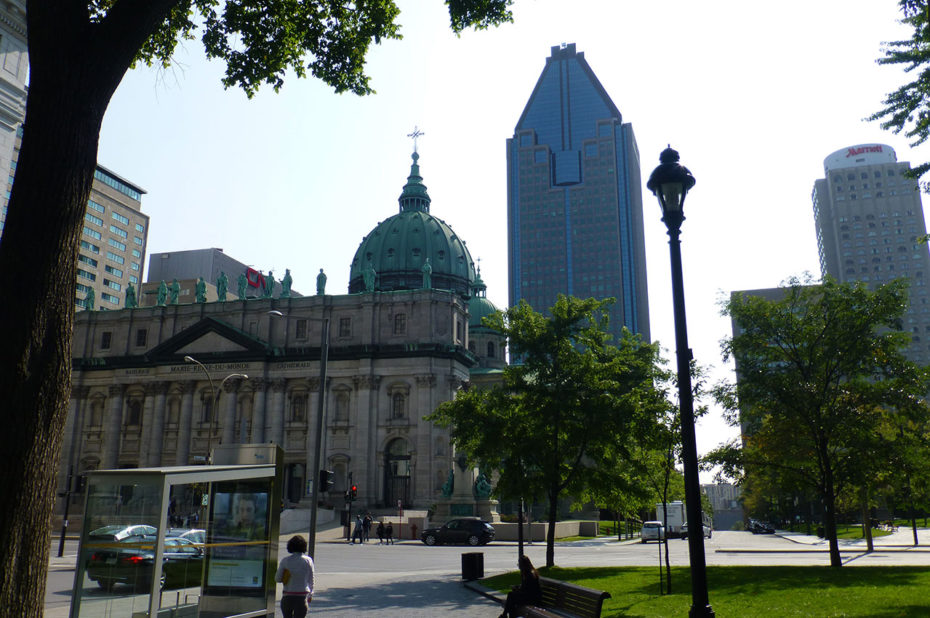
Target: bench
(561,599)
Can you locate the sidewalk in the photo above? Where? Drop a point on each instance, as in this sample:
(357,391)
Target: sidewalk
(900,541)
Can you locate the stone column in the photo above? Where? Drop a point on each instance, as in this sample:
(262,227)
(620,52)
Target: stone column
(258,411)
(148,418)
(313,395)
(184,423)
(231,389)
(425,473)
(114,426)
(158,423)
(71,448)
(363,443)
(276,434)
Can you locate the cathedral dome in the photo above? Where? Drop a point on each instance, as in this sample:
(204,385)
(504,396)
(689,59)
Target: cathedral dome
(399,247)
(479,306)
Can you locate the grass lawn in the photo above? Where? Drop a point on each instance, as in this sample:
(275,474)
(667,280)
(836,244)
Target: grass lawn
(855,531)
(750,591)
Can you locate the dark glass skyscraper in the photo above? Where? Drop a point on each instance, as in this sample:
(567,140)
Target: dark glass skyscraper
(574,197)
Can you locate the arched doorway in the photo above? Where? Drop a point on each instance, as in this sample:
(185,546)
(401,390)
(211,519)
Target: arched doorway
(397,473)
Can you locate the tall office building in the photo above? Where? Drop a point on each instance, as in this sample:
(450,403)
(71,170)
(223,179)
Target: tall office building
(869,217)
(14,71)
(112,252)
(574,197)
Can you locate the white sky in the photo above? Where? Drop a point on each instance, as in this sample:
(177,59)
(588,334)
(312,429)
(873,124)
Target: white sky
(753,95)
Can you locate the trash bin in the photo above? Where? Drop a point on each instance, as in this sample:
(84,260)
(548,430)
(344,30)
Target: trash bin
(472,566)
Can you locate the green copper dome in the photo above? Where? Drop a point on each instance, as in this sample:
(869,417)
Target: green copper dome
(399,247)
(479,306)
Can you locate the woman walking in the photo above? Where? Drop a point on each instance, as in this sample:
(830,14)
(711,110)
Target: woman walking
(296,573)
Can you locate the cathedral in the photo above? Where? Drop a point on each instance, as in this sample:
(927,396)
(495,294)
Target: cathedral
(162,385)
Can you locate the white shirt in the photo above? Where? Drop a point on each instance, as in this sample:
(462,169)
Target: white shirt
(301,569)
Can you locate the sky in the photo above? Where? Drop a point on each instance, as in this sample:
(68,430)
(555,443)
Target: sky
(753,95)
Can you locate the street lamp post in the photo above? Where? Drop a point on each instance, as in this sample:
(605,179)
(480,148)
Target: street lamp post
(670,182)
(318,446)
(216,399)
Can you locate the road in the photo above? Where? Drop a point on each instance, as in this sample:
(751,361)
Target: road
(402,579)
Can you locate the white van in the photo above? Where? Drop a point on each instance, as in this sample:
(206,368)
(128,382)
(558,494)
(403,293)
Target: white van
(652,531)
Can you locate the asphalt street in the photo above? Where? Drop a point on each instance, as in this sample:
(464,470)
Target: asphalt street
(410,579)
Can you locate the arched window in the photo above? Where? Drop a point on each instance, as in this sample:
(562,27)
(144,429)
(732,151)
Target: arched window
(490,349)
(206,407)
(133,412)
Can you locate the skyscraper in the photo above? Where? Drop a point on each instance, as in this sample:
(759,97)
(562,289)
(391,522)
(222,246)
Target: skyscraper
(574,197)
(868,218)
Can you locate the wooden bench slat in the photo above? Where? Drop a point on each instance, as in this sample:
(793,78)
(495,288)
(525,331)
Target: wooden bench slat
(560,599)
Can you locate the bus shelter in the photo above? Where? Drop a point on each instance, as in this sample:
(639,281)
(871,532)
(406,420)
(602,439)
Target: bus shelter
(179,541)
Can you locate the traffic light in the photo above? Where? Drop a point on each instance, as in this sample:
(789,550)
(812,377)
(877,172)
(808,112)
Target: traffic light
(353,492)
(327,480)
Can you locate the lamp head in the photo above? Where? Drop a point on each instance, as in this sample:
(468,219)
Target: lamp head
(189,359)
(670,183)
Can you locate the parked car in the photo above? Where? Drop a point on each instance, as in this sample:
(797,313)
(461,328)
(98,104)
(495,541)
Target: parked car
(707,531)
(760,527)
(194,535)
(117,532)
(459,531)
(652,531)
(132,560)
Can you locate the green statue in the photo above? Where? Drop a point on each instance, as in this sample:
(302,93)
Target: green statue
(286,284)
(269,285)
(482,487)
(162,293)
(369,276)
(321,283)
(242,283)
(427,271)
(173,292)
(449,485)
(201,291)
(222,286)
(89,300)
(131,297)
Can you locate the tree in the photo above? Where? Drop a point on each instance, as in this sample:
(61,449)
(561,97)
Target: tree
(907,109)
(79,51)
(817,373)
(570,408)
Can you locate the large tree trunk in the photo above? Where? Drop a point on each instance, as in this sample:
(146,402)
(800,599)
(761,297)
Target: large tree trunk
(829,516)
(866,516)
(74,70)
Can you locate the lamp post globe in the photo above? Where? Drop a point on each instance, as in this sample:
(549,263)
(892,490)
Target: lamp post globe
(670,182)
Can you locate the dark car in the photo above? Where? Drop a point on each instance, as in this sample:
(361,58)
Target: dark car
(760,527)
(117,532)
(132,560)
(459,531)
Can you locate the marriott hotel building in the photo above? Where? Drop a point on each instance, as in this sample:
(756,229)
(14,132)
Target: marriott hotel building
(869,218)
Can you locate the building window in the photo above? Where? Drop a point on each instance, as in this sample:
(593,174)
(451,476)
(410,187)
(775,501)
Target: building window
(490,349)
(134,412)
(345,327)
(400,324)
(90,261)
(93,219)
(206,400)
(121,218)
(299,408)
(113,270)
(119,231)
(116,258)
(115,244)
(301,329)
(398,405)
(342,407)
(95,206)
(142,336)
(90,247)
(105,338)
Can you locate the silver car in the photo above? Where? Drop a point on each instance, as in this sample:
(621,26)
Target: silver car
(652,531)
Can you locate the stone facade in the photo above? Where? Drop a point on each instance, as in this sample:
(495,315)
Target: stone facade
(393,357)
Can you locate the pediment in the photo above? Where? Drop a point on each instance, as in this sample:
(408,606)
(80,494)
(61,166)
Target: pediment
(209,338)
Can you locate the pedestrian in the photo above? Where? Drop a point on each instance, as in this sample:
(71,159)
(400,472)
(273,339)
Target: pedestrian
(380,532)
(357,533)
(528,592)
(366,525)
(296,573)
(389,533)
